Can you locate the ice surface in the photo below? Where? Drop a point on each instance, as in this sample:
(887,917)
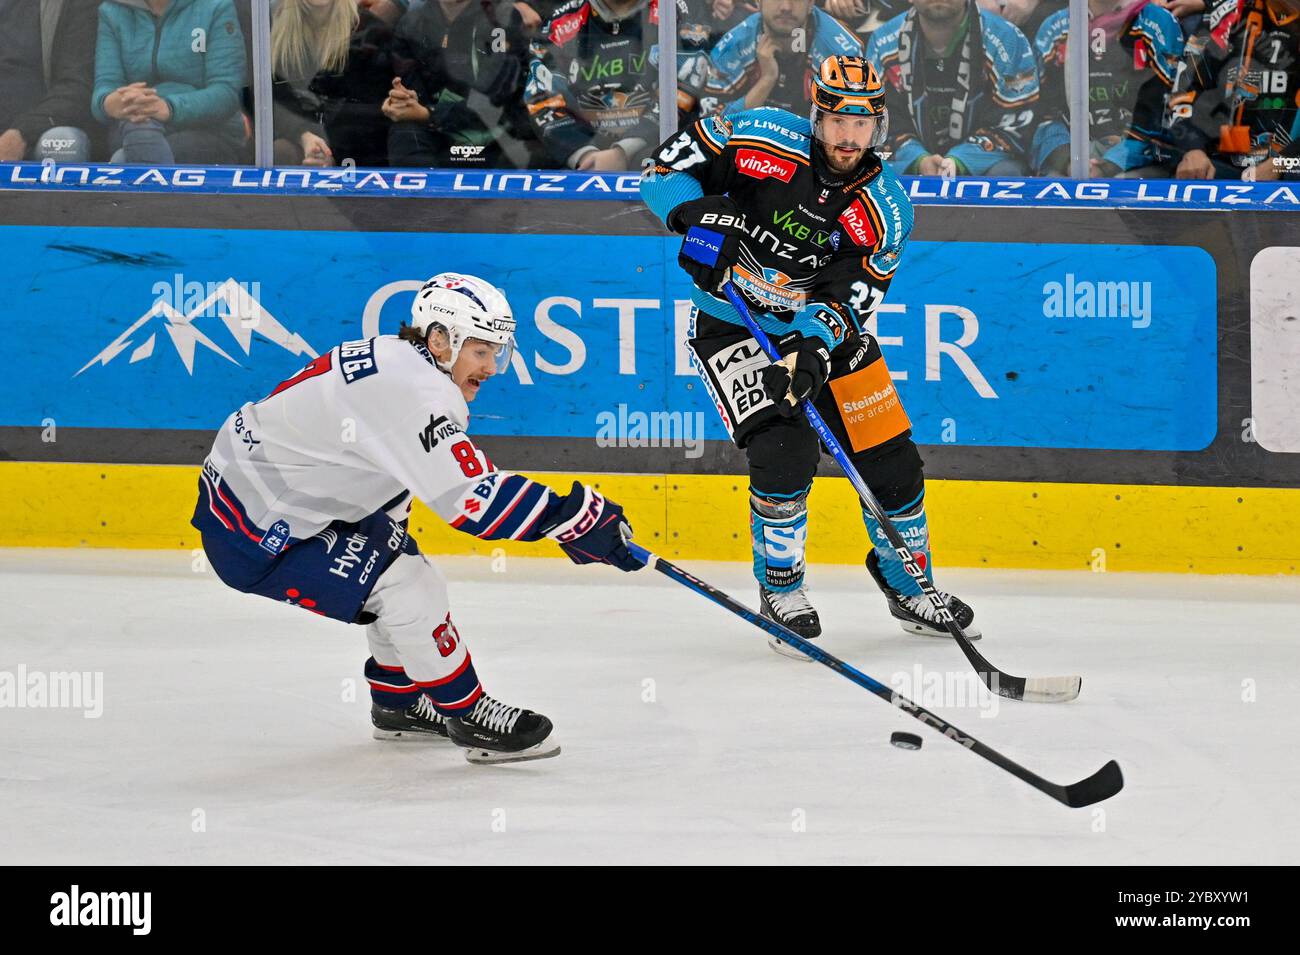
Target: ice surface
(231,710)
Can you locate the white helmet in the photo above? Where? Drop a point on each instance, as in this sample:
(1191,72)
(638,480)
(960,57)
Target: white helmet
(465,306)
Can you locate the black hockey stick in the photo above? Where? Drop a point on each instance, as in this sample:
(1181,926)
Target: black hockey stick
(1039,689)
(1102,784)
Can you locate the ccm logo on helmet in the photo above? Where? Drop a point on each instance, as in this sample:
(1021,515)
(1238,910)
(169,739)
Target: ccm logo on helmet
(762,166)
(857,225)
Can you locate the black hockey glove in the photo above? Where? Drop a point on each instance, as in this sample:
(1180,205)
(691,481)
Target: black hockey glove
(712,226)
(591,529)
(800,374)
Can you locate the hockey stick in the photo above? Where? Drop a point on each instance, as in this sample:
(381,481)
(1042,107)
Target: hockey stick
(1102,784)
(1047,689)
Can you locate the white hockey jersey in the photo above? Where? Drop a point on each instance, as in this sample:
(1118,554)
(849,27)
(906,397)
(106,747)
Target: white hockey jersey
(359,430)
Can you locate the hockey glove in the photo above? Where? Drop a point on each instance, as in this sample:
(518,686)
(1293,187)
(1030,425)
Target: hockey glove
(712,226)
(591,529)
(800,374)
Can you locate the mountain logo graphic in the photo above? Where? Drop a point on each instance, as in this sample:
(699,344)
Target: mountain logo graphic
(243,316)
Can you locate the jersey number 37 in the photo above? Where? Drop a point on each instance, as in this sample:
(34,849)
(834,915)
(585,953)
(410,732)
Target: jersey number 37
(672,153)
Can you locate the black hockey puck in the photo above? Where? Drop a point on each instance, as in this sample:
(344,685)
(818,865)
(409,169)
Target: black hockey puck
(905,740)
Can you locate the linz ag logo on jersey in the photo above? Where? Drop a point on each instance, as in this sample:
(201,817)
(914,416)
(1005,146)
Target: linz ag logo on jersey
(857,225)
(762,166)
(357,360)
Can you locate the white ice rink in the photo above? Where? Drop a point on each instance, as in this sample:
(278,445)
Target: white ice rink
(227,713)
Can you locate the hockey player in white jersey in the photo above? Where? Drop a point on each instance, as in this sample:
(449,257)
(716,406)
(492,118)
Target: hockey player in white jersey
(306,494)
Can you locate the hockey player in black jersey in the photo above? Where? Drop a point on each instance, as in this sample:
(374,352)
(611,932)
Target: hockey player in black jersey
(812,226)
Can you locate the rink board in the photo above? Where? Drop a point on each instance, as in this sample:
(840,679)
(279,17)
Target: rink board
(992,344)
(1165,439)
(704,517)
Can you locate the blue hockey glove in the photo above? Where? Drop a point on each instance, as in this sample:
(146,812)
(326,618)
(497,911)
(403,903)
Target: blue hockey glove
(713,227)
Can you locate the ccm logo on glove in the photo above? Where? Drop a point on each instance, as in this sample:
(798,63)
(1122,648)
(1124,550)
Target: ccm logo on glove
(584,521)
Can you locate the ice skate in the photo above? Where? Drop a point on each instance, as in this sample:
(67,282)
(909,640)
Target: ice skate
(917,614)
(418,722)
(494,732)
(790,608)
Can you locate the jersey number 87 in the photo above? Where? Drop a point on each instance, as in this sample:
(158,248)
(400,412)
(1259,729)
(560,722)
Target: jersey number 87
(467,457)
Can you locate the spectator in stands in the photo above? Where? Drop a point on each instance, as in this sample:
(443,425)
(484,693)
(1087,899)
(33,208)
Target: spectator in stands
(168,75)
(531,13)
(389,11)
(457,94)
(46,65)
(1028,15)
(769,58)
(1189,13)
(352,99)
(1233,112)
(307,37)
(593,89)
(861,16)
(1134,52)
(961,85)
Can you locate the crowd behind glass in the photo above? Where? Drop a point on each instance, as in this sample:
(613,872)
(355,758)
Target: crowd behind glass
(1193,89)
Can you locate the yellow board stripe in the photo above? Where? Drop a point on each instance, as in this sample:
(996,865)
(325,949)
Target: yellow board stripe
(705,517)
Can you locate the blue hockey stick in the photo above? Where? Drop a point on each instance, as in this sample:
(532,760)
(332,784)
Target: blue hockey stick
(1049,689)
(1102,784)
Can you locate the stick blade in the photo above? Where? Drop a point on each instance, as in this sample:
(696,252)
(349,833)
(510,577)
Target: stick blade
(1052,689)
(1034,689)
(1102,784)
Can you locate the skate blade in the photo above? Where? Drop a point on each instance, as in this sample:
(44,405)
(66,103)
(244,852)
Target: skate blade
(483,757)
(788,651)
(407,736)
(972,633)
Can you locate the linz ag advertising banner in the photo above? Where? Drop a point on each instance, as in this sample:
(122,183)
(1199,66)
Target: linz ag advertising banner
(1012,344)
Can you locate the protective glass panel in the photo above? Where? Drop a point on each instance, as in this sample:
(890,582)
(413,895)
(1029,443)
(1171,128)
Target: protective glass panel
(1134,55)
(155,83)
(1230,112)
(593,80)
(473,83)
(961,78)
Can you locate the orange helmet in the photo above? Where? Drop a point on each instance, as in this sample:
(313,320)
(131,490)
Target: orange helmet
(849,84)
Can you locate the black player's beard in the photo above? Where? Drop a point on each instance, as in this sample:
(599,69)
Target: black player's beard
(828,174)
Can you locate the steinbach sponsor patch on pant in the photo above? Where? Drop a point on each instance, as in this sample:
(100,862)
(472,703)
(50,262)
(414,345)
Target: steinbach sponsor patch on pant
(869,406)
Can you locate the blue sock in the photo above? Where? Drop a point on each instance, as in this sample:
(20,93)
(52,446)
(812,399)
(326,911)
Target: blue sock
(390,686)
(778,528)
(910,522)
